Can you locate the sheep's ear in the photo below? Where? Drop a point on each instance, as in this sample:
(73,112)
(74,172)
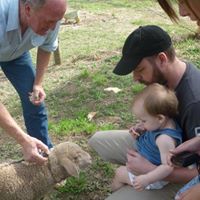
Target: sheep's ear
(70,167)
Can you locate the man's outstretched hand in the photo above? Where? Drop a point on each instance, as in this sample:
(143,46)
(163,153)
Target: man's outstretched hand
(32,149)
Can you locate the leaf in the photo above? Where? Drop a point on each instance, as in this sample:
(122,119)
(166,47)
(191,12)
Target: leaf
(91,115)
(113,89)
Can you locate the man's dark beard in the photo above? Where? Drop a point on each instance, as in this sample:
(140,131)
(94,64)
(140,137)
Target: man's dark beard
(158,77)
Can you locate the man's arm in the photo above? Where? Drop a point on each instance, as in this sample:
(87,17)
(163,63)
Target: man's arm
(38,94)
(181,175)
(43,58)
(31,146)
(192,145)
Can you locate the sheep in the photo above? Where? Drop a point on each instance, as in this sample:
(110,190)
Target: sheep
(72,17)
(25,181)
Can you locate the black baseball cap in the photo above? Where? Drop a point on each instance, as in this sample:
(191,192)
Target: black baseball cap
(143,42)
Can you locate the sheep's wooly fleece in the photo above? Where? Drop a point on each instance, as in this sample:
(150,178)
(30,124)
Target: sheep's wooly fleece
(25,181)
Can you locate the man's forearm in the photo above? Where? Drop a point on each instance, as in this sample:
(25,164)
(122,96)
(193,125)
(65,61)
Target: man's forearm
(182,175)
(43,58)
(10,126)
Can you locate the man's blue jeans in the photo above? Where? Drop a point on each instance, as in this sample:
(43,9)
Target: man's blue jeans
(21,74)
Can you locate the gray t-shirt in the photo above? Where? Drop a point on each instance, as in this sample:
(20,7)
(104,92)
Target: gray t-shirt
(188,94)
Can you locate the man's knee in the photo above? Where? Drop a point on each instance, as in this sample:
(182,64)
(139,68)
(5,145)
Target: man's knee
(91,141)
(94,140)
(110,145)
(101,144)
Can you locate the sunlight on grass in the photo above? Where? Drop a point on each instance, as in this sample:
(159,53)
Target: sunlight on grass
(84,74)
(98,5)
(190,48)
(69,126)
(78,126)
(99,79)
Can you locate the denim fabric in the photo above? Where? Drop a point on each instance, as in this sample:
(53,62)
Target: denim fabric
(21,74)
(190,184)
(146,143)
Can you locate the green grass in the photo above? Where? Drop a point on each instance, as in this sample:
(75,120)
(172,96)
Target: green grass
(82,187)
(75,185)
(79,125)
(190,49)
(107,5)
(136,88)
(89,53)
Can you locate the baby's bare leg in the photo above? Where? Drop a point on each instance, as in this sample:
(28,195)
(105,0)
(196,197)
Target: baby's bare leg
(121,178)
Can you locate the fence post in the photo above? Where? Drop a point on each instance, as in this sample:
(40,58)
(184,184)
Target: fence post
(57,57)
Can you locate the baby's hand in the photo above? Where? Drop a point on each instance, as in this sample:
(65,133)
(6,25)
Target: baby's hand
(136,130)
(133,133)
(140,182)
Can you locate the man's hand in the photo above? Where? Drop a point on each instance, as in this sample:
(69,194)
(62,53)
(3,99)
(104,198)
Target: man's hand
(138,164)
(32,148)
(192,145)
(38,95)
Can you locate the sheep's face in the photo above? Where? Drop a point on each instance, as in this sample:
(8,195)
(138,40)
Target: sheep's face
(72,157)
(78,156)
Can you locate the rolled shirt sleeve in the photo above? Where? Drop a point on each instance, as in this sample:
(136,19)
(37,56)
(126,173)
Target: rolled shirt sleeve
(12,43)
(51,42)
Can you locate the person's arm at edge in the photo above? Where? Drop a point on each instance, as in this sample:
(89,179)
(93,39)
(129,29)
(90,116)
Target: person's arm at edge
(30,145)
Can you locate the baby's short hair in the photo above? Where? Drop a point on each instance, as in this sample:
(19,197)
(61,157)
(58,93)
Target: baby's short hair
(158,99)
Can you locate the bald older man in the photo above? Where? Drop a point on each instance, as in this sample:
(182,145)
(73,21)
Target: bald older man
(26,24)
